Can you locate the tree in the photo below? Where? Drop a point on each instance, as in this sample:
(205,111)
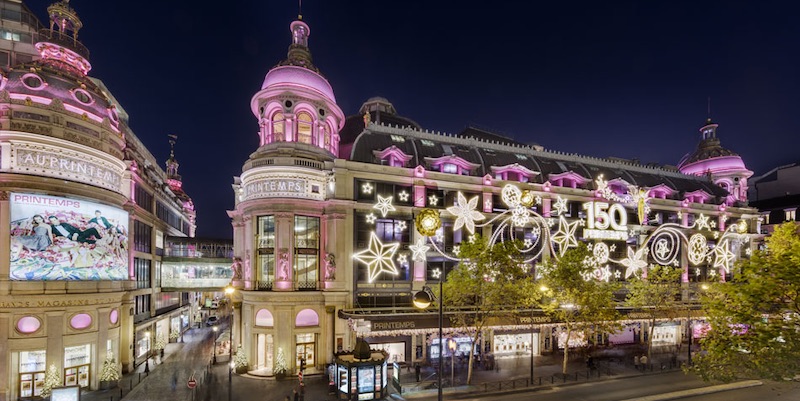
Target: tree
(240,359)
(280,363)
(110,372)
(755,319)
(582,305)
(490,281)
(656,296)
(52,379)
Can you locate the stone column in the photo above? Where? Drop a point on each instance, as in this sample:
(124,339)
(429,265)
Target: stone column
(126,333)
(284,243)
(5,239)
(5,370)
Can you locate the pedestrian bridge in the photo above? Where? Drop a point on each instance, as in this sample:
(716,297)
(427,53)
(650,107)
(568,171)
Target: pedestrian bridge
(196,264)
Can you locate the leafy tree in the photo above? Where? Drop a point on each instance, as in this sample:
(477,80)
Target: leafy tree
(52,379)
(755,319)
(581,305)
(657,295)
(110,372)
(491,281)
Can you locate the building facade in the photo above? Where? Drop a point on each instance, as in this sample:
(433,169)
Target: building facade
(339,221)
(84,208)
(776,194)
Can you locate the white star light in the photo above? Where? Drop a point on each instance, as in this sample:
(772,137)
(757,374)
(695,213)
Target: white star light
(472,238)
(456,250)
(419,250)
(371,218)
(723,257)
(748,251)
(401,226)
(635,261)
(433,200)
(701,222)
(617,274)
(560,207)
(403,196)
(378,257)
(402,259)
(538,200)
(527,243)
(439,237)
(613,248)
(536,231)
(384,205)
(366,188)
(436,273)
(465,213)
(565,236)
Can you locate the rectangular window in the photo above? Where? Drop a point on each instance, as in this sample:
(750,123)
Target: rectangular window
(142,237)
(143,198)
(142,272)
(266,232)
(306,251)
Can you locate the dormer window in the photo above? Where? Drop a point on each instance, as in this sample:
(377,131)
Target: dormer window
(661,191)
(452,164)
(698,196)
(392,156)
(426,142)
(569,179)
(398,139)
(514,172)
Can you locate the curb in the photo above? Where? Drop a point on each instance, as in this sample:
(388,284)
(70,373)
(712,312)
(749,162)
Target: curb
(699,391)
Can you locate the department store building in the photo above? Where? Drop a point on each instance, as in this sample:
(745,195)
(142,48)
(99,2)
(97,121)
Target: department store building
(327,207)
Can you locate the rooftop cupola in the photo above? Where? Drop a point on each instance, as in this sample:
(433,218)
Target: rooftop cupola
(59,44)
(172,164)
(299,54)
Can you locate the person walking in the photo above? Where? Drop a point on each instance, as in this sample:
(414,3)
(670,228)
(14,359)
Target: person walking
(636,361)
(417,370)
(295,395)
(644,362)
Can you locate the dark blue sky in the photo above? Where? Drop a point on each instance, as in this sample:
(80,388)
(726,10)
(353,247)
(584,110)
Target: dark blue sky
(626,79)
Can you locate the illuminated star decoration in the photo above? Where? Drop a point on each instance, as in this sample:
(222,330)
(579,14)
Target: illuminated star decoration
(401,226)
(366,188)
(560,207)
(701,222)
(384,205)
(439,237)
(402,259)
(538,200)
(465,213)
(433,200)
(527,243)
(436,273)
(662,248)
(565,236)
(472,238)
(371,218)
(712,273)
(456,250)
(419,250)
(635,261)
(403,196)
(723,257)
(378,257)
(617,274)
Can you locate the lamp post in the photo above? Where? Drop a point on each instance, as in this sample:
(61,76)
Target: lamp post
(451,343)
(423,300)
(214,350)
(229,291)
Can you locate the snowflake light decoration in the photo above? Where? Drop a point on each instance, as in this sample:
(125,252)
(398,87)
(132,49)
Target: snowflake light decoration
(378,257)
(600,253)
(636,261)
(465,213)
(520,216)
(384,205)
(419,250)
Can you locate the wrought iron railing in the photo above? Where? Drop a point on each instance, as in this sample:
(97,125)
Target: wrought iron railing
(264,285)
(306,285)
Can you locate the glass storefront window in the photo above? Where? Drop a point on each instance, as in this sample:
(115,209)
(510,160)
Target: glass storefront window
(77,364)
(31,369)
(306,349)
(306,248)
(266,249)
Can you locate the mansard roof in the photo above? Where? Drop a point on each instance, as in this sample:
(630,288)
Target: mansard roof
(487,152)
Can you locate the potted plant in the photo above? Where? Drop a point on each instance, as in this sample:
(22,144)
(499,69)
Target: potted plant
(109,376)
(280,365)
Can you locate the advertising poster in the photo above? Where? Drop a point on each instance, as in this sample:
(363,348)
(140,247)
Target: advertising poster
(54,238)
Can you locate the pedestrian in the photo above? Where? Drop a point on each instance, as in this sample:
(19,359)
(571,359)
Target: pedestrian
(417,370)
(636,361)
(644,362)
(295,396)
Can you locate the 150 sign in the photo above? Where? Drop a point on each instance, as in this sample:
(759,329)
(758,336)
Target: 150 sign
(600,216)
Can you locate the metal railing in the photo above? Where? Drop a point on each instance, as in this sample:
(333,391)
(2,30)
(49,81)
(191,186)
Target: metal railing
(63,39)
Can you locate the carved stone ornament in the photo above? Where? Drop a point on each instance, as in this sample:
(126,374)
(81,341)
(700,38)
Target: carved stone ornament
(3,195)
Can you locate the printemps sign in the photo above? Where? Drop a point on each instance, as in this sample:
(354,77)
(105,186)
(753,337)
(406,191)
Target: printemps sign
(555,234)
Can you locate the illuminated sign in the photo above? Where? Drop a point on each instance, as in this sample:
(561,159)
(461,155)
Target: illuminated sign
(276,184)
(64,164)
(600,217)
(54,238)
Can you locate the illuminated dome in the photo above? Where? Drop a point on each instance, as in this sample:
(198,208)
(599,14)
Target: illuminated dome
(298,77)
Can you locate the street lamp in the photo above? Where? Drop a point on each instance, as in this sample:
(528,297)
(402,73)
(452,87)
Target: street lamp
(451,343)
(422,300)
(214,353)
(229,292)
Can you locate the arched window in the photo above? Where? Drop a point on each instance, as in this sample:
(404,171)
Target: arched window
(326,137)
(278,124)
(264,318)
(306,317)
(304,127)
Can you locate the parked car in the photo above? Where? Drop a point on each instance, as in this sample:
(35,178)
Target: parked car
(212,320)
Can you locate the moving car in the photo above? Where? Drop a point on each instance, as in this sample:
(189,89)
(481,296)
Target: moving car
(212,320)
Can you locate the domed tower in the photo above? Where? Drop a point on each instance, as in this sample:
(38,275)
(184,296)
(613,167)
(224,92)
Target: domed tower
(296,103)
(723,166)
(176,185)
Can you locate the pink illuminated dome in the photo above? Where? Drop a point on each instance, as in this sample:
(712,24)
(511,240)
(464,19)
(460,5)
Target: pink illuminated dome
(723,166)
(296,103)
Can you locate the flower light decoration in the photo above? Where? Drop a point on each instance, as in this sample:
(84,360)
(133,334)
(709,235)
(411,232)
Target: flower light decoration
(427,222)
(465,213)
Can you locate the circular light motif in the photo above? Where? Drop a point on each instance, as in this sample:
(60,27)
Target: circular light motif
(511,195)
(600,253)
(698,247)
(28,324)
(742,227)
(80,321)
(665,245)
(427,222)
(528,198)
(113,317)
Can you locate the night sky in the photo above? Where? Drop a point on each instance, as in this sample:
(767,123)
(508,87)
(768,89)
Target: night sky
(625,79)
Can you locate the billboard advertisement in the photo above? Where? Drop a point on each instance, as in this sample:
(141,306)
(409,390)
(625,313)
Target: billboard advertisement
(55,238)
